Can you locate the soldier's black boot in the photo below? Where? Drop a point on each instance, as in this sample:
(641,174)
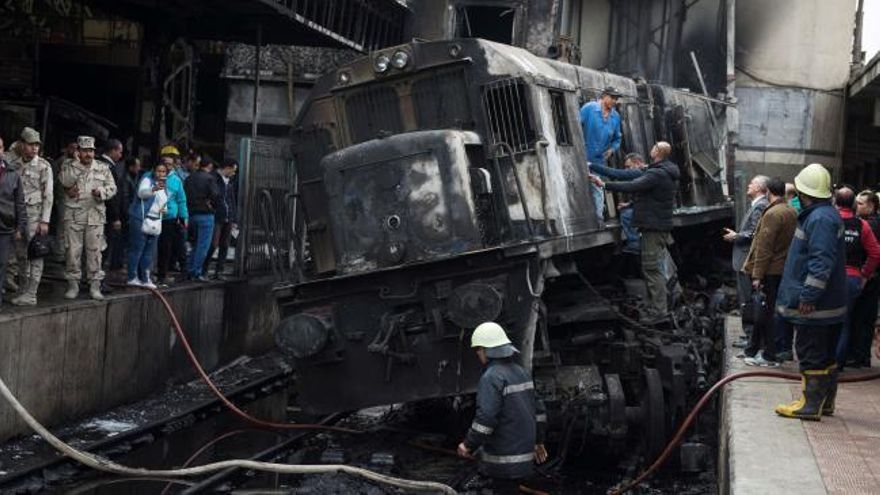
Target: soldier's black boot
(816,384)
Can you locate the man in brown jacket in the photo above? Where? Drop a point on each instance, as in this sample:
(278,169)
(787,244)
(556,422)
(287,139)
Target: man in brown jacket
(764,265)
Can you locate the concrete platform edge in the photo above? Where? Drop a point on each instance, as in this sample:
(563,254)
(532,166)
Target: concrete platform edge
(760,453)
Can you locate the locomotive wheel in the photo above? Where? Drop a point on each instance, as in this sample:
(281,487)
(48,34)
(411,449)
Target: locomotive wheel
(653,413)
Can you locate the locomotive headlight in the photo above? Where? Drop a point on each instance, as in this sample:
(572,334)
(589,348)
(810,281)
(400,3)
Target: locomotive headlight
(343,78)
(302,335)
(381,63)
(399,59)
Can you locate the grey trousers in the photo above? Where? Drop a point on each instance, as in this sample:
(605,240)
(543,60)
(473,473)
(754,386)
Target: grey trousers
(654,254)
(5,251)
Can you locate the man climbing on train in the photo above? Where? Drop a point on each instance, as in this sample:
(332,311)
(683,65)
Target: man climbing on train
(509,424)
(654,193)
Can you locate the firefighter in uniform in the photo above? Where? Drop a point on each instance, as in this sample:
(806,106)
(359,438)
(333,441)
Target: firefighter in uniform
(87,184)
(37,186)
(509,423)
(813,294)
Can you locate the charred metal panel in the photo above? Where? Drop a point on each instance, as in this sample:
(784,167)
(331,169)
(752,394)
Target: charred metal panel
(314,141)
(401,200)
(373,112)
(392,335)
(441,101)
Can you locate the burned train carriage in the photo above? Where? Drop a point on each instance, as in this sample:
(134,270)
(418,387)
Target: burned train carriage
(438,181)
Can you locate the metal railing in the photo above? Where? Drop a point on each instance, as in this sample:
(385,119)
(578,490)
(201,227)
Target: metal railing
(269,242)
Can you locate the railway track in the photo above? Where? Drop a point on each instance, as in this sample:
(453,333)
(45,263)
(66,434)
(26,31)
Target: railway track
(29,465)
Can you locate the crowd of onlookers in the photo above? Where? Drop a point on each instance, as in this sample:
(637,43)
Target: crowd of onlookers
(806,256)
(108,213)
(761,248)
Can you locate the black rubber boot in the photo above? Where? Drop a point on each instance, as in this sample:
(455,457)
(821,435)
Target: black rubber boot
(831,398)
(816,384)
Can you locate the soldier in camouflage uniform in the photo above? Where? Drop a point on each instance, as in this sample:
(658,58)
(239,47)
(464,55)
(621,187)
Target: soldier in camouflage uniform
(36,181)
(87,184)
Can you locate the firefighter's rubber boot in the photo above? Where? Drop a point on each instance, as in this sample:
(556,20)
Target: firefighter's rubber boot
(814,390)
(831,398)
(72,289)
(95,290)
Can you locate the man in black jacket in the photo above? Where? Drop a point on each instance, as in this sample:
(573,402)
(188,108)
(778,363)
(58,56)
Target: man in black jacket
(201,201)
(13,215)
(225,215)
(654,201)
(508,427)
(117,207)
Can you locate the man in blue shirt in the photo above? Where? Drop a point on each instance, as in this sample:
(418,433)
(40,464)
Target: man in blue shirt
(600,124)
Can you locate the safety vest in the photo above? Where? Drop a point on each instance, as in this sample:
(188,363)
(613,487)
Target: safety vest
(852,236)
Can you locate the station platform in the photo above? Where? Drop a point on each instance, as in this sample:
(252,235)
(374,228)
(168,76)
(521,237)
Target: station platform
(762,453)
(66,359)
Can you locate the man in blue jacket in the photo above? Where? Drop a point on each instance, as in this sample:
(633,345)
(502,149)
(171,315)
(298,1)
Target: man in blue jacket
(508,427)
(600,124)
(813,293)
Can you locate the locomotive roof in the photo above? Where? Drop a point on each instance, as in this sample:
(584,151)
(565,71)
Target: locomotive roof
(493,59)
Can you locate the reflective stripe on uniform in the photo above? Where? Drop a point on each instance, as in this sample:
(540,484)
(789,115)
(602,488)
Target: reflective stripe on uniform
(814,282)
(541,418)
(520,387)
(815,315)
(485,430)
(508,459)
(800,234)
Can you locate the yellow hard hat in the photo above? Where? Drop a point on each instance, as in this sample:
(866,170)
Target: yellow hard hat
(489,335)
(814,181)
(169,150)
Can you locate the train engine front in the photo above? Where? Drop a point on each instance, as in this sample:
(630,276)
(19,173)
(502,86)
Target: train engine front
(427,174)
(443,184)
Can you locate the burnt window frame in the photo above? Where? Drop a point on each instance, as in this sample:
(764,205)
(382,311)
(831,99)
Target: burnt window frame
(466,96)
(460,17)
(561,120)
(346,96)
(531,130)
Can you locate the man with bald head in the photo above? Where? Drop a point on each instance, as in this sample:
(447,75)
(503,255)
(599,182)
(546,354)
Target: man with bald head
(654,199)
(862,259)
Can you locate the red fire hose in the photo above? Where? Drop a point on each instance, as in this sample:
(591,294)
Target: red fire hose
(216,391)
(661,459)
(686,424)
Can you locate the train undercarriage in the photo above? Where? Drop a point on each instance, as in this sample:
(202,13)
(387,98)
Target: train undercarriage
(609,382)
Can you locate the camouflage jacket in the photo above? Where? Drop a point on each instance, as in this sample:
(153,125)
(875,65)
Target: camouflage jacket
(37,184)
(84,207)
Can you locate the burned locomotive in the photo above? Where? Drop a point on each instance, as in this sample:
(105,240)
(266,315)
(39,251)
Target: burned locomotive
(443,184)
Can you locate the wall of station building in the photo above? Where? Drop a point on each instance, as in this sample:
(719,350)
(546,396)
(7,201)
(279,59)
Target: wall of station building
(793,64)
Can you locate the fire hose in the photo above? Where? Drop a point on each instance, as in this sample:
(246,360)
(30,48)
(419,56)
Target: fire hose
(105,465)
(706,397)
(102,464)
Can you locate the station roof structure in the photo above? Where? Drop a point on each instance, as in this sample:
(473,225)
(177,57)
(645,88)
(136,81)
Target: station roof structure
(866,84)
(361,25)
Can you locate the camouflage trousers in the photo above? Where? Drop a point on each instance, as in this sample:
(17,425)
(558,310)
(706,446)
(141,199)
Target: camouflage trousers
(79,237)
(27,271)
